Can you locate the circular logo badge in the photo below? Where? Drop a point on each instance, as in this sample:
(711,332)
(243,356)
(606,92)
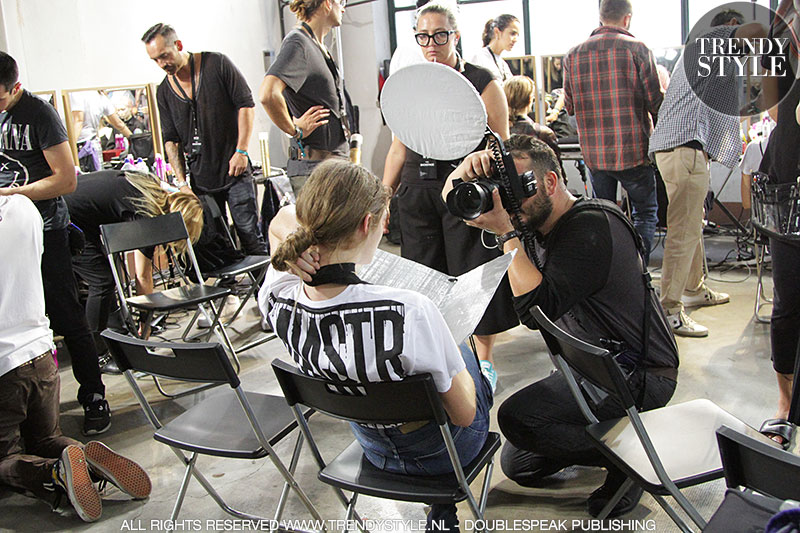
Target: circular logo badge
(737,55)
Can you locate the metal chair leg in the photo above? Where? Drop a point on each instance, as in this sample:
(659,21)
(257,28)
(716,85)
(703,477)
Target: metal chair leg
(672,514)
(761,298)
(625,487)
(187,476)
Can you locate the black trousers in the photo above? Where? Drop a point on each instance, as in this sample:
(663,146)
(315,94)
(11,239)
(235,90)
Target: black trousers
(93,268)
(785,323)
(543,419)
(66,314)
(242,202)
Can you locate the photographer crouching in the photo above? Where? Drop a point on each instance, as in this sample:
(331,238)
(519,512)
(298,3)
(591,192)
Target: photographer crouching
(581,263)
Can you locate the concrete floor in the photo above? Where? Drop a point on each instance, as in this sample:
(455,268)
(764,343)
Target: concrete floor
(731,367)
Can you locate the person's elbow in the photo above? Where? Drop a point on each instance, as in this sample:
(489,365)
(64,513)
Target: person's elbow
(464,417)
(68,182)
(266,93)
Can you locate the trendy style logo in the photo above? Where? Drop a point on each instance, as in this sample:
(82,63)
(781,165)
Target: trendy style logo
(737,55)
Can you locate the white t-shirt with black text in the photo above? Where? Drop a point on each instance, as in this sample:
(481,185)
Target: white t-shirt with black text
(367,333)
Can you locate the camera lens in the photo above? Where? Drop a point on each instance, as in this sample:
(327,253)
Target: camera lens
(469,200)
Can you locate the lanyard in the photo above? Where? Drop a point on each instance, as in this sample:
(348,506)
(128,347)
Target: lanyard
(193,99)
(339,273)
(494,58)
(336,79)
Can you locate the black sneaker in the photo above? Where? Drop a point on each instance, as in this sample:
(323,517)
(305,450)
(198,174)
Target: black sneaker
(600,497)
(96,417)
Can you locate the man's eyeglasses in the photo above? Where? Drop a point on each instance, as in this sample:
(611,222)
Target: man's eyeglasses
(440,37)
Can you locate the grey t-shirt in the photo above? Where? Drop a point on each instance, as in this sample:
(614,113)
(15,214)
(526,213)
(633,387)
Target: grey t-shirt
(301,65)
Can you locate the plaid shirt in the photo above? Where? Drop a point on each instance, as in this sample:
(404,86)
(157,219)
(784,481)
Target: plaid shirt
(611,86)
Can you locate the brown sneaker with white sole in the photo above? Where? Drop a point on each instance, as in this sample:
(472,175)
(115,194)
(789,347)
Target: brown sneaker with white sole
(126,474)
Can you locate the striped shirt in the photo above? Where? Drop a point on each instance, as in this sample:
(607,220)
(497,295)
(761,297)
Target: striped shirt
(612,88)
(684,117)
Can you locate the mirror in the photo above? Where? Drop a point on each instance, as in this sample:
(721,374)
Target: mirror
(49,96)
(106,124)
(526,66)
(553,72)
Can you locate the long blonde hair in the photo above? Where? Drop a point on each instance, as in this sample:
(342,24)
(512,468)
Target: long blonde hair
(155,201)
(330,208)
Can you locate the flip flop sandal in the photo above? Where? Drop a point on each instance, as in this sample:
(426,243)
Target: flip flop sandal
(778,427)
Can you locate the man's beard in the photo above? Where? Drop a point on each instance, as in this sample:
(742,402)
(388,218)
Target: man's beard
(537,211)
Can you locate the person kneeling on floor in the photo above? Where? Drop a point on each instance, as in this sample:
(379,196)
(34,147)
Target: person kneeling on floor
(35,457)
(591,282)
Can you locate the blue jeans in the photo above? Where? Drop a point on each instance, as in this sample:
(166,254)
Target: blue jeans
(422,452)
(640,184)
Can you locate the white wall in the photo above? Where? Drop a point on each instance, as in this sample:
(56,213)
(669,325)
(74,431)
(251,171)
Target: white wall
(71,44)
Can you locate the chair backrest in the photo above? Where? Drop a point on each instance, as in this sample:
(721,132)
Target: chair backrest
(595,364)
(756,465)
(219,218)
(195,362)
(392,402)
(143,232)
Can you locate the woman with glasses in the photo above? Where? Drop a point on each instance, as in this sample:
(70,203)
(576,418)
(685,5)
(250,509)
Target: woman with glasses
(499,35)
(430,234)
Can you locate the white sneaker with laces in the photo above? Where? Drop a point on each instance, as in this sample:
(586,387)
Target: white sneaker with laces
(705,296)
(683,326)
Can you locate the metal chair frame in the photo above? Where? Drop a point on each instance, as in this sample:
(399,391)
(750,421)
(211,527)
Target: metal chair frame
(583,356)
(130,354)
(381,403)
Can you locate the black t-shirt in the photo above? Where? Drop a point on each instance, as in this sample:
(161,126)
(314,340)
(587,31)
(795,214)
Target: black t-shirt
(592,286)
(782,158)
(301,65)
(26,130)
(221,92)
(479,77)
(101,198)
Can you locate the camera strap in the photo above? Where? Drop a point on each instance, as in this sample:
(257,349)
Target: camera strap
(337,80)
(193,99)
(649,290)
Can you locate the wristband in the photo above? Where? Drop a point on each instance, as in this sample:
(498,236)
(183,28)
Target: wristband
(505,237)
(298,133)
(243,152)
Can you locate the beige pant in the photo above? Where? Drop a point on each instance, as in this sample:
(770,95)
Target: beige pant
(686,176)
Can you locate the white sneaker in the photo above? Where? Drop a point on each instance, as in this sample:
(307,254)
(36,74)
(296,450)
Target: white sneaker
(706,296)
(682,325)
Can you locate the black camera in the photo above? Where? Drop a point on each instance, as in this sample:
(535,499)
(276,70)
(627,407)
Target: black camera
(471,199)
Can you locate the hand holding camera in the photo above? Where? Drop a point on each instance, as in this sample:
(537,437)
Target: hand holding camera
(473,192)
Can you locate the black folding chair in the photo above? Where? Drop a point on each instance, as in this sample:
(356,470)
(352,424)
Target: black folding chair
(413,399)
(760,476)
(146,232)
(661,450)
(239,425)
(253,266)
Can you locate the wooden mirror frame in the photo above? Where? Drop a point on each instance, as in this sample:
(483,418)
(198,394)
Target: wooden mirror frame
(152,108)
(526,66)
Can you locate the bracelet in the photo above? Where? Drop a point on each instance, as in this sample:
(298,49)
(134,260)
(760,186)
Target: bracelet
(243,152)
(505,237)
(298,133)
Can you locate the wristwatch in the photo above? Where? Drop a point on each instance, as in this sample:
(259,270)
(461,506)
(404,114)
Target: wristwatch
(505,237)
(298,132)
